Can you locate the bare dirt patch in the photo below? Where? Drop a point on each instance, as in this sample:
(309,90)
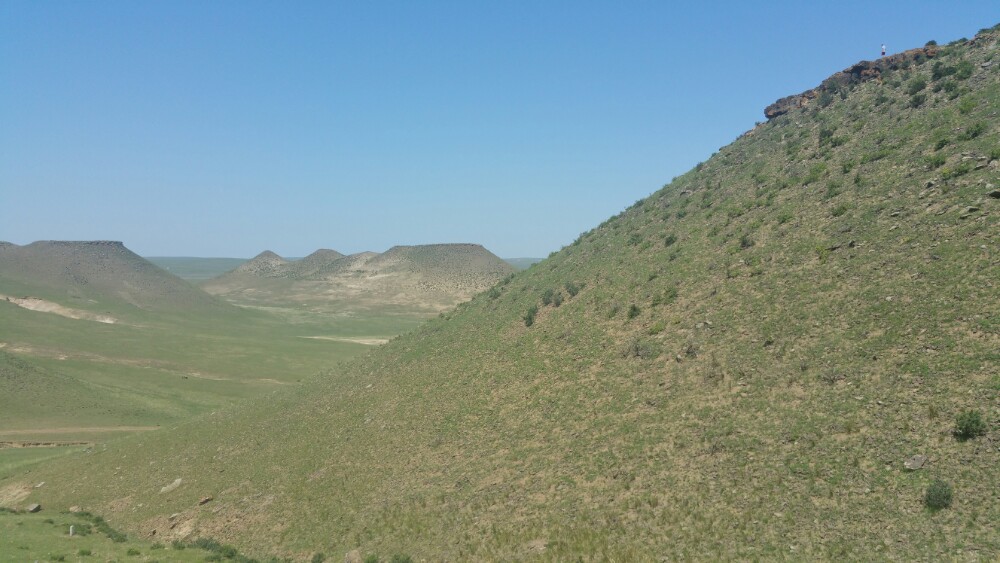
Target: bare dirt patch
(14,493)
(43,306)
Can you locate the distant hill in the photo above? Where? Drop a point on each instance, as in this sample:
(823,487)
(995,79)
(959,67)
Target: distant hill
(195,269)
(766,359)
(95,275)
(432,277)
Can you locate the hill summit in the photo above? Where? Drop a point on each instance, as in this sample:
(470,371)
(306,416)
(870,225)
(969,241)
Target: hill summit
(740,366)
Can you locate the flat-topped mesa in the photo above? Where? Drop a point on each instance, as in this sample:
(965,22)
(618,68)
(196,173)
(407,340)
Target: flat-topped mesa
(855,74)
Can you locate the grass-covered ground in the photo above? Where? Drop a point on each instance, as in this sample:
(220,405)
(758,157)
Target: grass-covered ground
(736,367)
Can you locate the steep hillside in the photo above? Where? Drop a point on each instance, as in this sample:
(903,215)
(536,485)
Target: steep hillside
(97,276)
(736,367)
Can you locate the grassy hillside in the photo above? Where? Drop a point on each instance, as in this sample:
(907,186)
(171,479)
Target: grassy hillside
(736,367)
(99,276)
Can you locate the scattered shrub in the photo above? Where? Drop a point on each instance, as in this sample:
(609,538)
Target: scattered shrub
(572,289)
(941,143)
(547,296)
(938,495)
(670,239)
(133,551)
(930,43)
(941,70)
(839,210)
(963,70)
(633,311)
(529,317)
(557,299)
(966,106)
(995,153)
(398,558)
(825,98)
(634,239)
(371,558)
(746,241)
(917,100)
(935,161)
(969,424)
(973,131)
(84,553)
(916,85)
(642,349)
(318,558)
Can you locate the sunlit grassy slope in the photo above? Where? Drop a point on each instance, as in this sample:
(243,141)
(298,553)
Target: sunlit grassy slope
(734,367)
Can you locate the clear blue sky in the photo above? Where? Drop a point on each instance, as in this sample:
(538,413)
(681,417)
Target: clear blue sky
(193,128)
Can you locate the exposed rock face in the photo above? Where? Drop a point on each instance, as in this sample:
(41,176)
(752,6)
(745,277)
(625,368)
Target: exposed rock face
(859,72)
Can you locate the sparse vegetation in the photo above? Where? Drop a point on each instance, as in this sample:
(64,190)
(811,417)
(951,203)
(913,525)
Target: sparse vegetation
(821,349)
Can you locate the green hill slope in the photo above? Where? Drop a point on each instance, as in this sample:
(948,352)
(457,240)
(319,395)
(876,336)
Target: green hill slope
(736,367)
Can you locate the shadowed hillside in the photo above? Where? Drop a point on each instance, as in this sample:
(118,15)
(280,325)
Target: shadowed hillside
(736,367)
(96,275)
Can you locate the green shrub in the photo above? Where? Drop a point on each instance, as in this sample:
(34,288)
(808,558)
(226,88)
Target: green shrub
(938,495)
(973,131)
(917,100)
(670,239)
(969,424)
(839,210)
(133,551)
(318,558)
(178,545)
(963,70)
(529,317)
(935,161)
(941,70)
(557,299)
(398,558)
(371,558)
(995,153)
(966,106)
(825,98)
(633,311)
(941,143)
(547,296)
(84,553)
(634,239)
(916,85)
(746,241)
(572,289)
(156,546)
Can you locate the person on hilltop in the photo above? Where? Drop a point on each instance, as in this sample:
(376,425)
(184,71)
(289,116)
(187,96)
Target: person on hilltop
(883,49)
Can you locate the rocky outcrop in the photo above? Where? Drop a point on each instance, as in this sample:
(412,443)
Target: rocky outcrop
(855,74)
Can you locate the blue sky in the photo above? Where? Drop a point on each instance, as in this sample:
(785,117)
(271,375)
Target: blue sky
(226,128)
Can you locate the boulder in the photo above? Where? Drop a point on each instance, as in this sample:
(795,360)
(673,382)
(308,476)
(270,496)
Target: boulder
(33,507)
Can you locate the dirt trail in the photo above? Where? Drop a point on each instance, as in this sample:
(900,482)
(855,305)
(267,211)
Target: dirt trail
(43,306)
(366,341)
(76,430)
